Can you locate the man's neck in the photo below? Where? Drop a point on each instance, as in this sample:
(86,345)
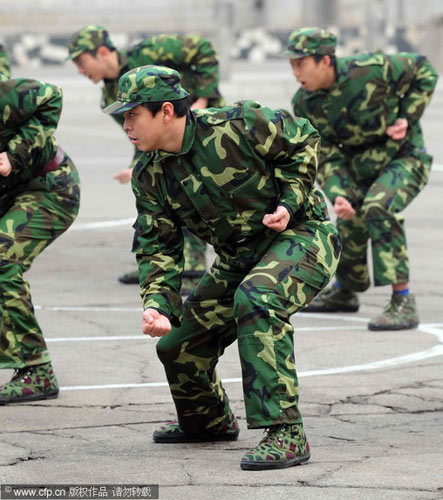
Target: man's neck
(113,67)
(329,79)
(173,140)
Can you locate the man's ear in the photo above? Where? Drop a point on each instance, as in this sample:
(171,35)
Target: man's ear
(167,112)
(103,52)
(327,60)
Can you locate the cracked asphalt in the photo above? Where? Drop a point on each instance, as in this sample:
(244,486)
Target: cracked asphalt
(372,401)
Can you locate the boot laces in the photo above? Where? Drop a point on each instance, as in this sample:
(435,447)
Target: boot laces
(21,373)
(274,432)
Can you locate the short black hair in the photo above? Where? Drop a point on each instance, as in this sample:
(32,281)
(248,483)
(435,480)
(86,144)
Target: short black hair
(93,52)
(181,106)
(319,57)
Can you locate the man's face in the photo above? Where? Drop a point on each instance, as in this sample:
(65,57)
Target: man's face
(93,67)
(311,74)
(144,130)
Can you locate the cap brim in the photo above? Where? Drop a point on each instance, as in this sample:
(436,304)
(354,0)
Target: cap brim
(73,55)
(120,107)
(289,54)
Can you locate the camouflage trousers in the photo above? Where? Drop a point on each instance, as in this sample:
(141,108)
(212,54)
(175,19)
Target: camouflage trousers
(32,220)
(194,252)
(251,304)
(378,219)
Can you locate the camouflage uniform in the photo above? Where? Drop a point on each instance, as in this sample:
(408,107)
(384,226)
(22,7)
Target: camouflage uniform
(236,164)
(196,60)
(39,200)
(359,161)
(4,62)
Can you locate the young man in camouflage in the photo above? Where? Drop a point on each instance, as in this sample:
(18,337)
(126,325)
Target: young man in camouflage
(241,178)
(39,200)
(372,161)
(194,57)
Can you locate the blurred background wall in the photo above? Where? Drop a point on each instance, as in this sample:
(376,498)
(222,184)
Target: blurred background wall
(36,32)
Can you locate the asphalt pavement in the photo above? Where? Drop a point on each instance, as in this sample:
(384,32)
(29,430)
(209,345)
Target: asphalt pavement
(372,401)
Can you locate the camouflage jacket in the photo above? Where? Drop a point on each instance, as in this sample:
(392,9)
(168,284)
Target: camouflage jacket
(193,57)
(4,62)
(236,164)
(370,92)
(29,114)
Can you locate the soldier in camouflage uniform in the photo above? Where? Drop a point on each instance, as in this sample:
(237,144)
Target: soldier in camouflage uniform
(39,200)
(373,161)
(241,178)
(194,57)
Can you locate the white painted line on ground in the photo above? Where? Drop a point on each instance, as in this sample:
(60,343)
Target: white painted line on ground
(99,339)
(143,337)
(102,225)
(89,308)
(431,328)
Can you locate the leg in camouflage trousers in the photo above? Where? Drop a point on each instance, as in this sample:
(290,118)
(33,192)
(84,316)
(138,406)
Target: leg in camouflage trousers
(253,305)
(33,220)
(379,219)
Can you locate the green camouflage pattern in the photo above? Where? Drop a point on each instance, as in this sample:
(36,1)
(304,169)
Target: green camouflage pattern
(147,84)
(29,114)
(32,383)
(34,210)
(196,60)
(282,446)
(5,71)
(194,57)
(88,39)
(378,175)
(236,164)
(399,314)
(310,41)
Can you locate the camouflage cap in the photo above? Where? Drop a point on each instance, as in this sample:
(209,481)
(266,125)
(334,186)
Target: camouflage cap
(310,41)
(87,39)
(146,84)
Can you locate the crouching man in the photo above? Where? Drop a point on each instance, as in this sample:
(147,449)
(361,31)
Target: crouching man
(242,179)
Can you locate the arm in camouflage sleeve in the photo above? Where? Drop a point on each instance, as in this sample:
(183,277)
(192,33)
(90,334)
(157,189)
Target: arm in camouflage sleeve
(332,173)
(45,101)
(4,63)
(333,176)
(193,54)
(291,145)
(414,80)
(158,245)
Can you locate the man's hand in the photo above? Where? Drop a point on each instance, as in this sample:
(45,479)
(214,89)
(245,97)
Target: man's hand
(155,324)
(277,221)
(343,208)
(124,176)
(5,165)
(398,130)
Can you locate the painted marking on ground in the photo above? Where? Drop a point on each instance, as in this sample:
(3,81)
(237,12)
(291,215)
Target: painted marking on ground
(434,329)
